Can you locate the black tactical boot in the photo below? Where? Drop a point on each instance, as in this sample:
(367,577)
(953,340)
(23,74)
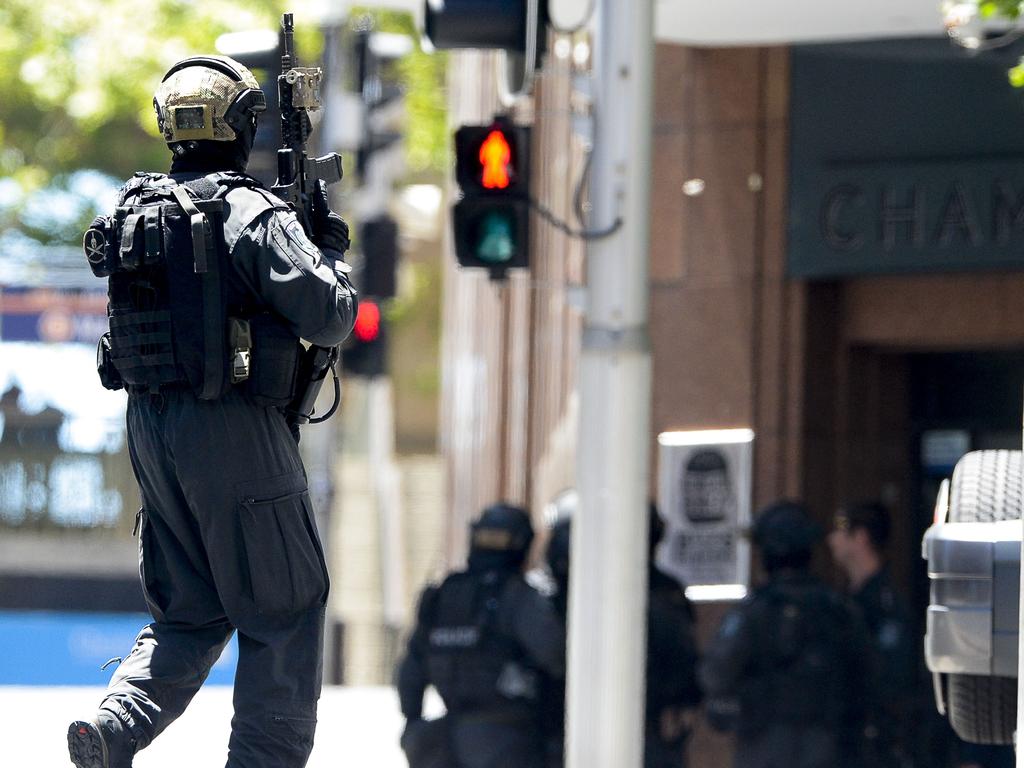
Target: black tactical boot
(99,744)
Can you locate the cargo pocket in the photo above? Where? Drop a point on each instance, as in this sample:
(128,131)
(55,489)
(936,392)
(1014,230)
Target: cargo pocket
(287,569)
(148,567)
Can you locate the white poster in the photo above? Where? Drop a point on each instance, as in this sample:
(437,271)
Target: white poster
(704,498)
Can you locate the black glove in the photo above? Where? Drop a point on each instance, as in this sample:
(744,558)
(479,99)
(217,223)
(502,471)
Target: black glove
(329,229)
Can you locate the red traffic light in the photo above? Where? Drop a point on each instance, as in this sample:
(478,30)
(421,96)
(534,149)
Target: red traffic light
(367,327)
(496,158)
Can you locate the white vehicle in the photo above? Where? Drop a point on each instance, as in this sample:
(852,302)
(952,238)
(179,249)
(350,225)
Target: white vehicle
(973,554)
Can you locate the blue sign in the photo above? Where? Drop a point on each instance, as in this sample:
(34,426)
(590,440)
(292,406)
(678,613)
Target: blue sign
(43,648)
(52,315)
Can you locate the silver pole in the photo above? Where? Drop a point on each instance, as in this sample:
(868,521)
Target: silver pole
(608,599)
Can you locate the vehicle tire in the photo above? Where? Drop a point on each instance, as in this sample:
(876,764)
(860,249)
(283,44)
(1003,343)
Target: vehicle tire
(986,488)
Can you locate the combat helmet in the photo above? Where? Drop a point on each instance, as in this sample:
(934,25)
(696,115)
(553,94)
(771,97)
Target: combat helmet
(207,98)
(501,536)
(784,532)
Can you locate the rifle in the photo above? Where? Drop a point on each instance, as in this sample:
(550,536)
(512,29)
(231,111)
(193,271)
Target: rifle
(298,184)
(298,175)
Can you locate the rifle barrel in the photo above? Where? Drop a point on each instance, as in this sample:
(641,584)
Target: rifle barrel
(287,21)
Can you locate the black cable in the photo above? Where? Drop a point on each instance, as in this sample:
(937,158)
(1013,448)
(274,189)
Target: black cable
(562,226)
(577,202)
(337,400)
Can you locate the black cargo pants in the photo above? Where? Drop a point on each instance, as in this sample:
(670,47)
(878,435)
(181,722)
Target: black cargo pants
(227,542)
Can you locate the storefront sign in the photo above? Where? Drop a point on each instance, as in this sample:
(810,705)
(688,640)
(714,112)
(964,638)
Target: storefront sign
(899,217)
(906,156)
(704,499)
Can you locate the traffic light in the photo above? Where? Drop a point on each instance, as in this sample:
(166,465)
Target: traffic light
(375,56)
(492,220)
(499,24)
(378,241)
(365,352)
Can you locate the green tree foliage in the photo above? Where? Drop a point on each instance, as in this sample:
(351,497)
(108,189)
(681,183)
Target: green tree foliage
(1009,10)
(427,138)
(76,78)
(76,90)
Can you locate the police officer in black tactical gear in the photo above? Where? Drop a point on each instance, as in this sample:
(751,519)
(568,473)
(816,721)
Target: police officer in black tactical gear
(857,542)
(789,666)
(672,692)
(488,642)
(212,282)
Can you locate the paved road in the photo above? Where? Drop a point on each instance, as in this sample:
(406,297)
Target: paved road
(359,728)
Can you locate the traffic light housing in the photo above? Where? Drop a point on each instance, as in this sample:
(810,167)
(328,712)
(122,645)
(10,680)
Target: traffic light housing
(501,24)
(375,55)
(365,351)
(378,241)
(492,220)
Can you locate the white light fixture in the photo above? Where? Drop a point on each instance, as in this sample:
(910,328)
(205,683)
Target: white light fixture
(694,187)
(716,593)
(706,437)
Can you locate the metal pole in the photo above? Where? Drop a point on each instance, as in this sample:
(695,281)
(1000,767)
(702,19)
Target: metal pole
(608,599)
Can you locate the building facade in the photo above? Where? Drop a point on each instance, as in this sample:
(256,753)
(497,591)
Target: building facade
(836,246)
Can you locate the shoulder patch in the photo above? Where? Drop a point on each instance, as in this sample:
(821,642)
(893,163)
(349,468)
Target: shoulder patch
(297,238)
(244,205)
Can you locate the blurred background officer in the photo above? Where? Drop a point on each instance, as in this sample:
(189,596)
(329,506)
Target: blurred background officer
(857,541)
(791,658)
(671,688)
(489,643)
(226,530)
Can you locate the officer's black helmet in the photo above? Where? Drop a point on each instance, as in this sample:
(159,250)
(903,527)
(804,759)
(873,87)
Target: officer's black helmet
(502,529)
(559,545)
(557,552)
(785,533)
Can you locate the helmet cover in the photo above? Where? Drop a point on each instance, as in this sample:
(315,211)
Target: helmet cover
(206,98)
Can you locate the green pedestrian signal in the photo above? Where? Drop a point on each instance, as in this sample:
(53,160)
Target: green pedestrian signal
(497,240)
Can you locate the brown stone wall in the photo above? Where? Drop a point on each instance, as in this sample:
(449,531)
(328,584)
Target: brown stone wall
(727,328)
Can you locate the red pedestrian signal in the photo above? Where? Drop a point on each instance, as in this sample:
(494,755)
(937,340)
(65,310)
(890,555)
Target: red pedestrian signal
(365,352)
(495,157)
(367,326)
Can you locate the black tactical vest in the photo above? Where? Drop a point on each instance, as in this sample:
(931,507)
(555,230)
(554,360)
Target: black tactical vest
(804,670)
(473,665)
(165,256)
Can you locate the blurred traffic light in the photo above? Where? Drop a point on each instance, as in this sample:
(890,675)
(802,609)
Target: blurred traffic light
(378,240)
(492,220)
(377,82)
(483,23)
(365,352)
